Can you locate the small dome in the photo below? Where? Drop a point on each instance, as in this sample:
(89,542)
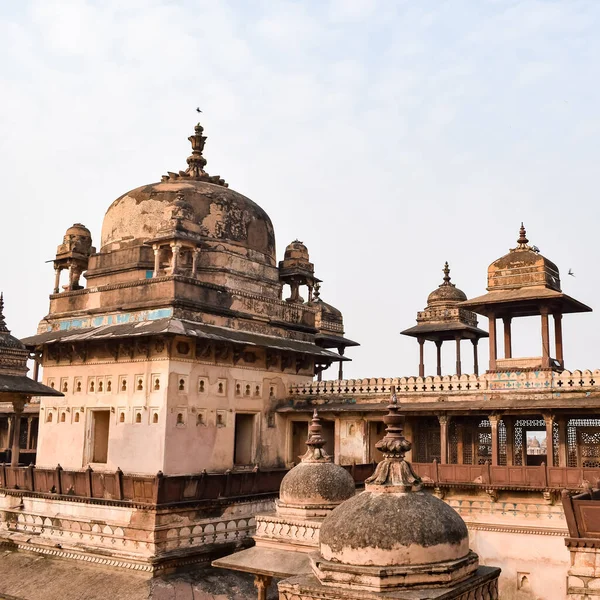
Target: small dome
(315,482)
(393,534)
(386,529)
(13,354)
(296,251)
(523,266)
(79,230)
(446,293)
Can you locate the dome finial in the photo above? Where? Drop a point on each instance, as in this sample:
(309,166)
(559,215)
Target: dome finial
(315,442)
(317,292)
(522,241)
(446,271)
(196,162)
(3,327)
(393,470)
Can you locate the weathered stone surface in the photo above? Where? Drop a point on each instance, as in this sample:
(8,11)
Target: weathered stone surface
(396,529)
(316,483)
(25,576)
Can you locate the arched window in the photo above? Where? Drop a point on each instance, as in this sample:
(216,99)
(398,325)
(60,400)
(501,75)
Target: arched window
(257,390)
(100,386)
(122,417)
(65,387)
(63,417)
(138,417)
(157,384)
(200,419)
(155,418)
(79,386)
(220,387)
(201,386)
(76,418)
(179,418)
(181,385)
(124,385)
(140,385)
(49,418)
(109,386)
(91,386)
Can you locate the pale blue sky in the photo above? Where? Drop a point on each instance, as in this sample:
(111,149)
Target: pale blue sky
(388,136)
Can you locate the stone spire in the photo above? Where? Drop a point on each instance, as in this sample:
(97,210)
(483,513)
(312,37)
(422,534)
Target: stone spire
(522,241)
(196,162)
(315,443)
(3,327)
(317,292)
(393,470)
(446,273)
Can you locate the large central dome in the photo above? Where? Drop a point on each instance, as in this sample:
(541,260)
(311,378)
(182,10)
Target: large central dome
(222,214)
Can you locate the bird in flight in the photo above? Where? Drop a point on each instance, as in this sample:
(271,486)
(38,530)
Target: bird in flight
(571,273)
(198,110)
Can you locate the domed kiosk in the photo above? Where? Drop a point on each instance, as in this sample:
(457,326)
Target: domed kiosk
(393,540)
(444,320)
(524,283)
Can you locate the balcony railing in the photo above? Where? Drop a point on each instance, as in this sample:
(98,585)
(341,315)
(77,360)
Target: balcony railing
(150,489)
(453,384)
(541,477)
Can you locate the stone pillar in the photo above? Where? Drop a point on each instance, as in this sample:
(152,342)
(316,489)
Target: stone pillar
(156,260)
(460,445)
(16,431)
(28,443)
(493,349)
(509,423)
(562,441)
(341,369)
(438,345)
(409,435)
(195,258)
(261,583)
(443,419)
(558,339)
(35,356)
(475,357)
(57,271)
(545,338)
(549,420)
(494,420)
(507,337)
(175,248)
(421,357)
(458,363)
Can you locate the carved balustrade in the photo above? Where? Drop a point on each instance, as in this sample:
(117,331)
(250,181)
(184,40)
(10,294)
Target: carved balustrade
(453,384)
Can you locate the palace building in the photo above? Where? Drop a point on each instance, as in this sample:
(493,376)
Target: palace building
(182,365)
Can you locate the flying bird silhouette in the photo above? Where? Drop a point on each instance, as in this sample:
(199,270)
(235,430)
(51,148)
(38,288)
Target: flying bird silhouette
(571,273)
(198,110)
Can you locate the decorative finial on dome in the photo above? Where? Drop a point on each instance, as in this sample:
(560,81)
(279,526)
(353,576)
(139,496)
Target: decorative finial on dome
(522,241)
(315,442)
(3,327)
(446,274)
(196,162)
(393,470)
(317,292)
